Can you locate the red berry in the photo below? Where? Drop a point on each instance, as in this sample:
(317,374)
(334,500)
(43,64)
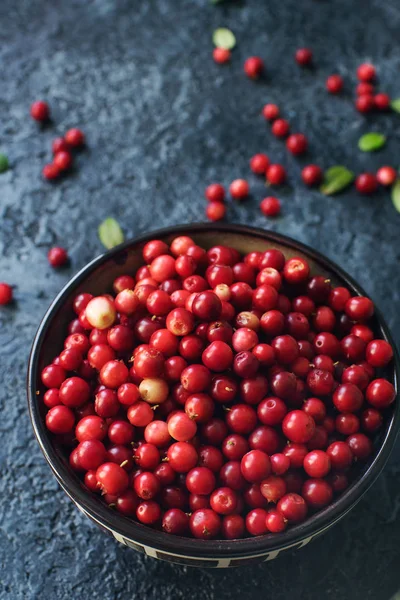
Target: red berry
(40,111)
(297,143)
(360,445)
(221,55)
(75,138)
(270,112)
(386,175)
(270,206)
(312,175)
(148,512)
(255,466)
(215,211)
(60,419)
(364,88)
(280,128)
(366,72)
(253,67)
(6,294)
(317,493)
(256,521)
(379,353)
(366,183)
(334,84)
(276,175)
(359,308)
(304,56)
(317,463)
(59,145)
(340,455)
(224,501)
(239,189)
(382,101)
(215,192)
(380,393)
(63,160)
(57,257)
(205,524)
(50,171)
(275,521)
(365,103)
(259,164)
(273,488)
(296,270)
(298,427)
(293,508)
(112,478)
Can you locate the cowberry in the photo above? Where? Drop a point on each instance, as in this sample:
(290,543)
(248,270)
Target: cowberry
(297,143)
(6,294)
(276,175)
(280,128)
(386,175)
(215,192)
(366,72)
(253,67)
(334,84)
(74,138)
(270,112)
(239,189)
(304,56)
(221,55)
(270,206)
(40,111)
(365,103)
(312,175)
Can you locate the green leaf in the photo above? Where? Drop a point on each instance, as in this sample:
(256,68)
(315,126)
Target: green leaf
(110,233)
(396,195)
(336,179)
(3,163)
(371,141)
(224,38)
(395,104)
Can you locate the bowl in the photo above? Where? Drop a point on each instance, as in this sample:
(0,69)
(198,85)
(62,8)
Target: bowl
(97,277)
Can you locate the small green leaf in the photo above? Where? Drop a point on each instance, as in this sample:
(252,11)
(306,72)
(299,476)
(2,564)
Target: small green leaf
(396,195)
(224,38)
(110,233)
(371,141)
(395,104)
(336,179)
(3,163)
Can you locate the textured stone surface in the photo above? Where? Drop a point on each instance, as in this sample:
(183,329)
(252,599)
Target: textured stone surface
(162,121)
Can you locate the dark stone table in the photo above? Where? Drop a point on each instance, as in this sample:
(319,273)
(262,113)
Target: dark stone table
(162,121)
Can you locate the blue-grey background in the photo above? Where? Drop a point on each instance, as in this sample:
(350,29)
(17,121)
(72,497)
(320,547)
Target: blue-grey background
(162,121)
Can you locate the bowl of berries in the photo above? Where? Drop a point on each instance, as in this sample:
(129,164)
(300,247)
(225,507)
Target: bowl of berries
(214,395)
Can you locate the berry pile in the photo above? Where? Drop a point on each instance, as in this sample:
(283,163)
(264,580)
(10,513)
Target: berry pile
(216,395)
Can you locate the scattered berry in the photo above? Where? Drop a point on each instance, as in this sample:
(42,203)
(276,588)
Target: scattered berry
(221,55)
(386,175)
(75,138)
(270,112)
(259,164)
(304,56)
(57,256)
(366,183)
(365,103)
(270,206)
(239,189)
(334,84)
(51,171)
(6,294)
(253,67)
(63,160)
(280,128)
(297,143)
(276,175)
(215,211)
(40,111)
(382,101)
(312,175)
(366,72)
(215,192)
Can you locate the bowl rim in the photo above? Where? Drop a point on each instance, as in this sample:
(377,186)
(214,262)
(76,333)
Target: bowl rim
(189,547)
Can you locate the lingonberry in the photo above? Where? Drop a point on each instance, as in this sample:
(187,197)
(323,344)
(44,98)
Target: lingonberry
(296,454)
(359,308)
(366,183)
(353,348)
(364,88)
(256,521)
(112,479)
(364,104)
(245,364)
(271,411)
(380,393)
(317,463)
(255,466)
(297,143)
(254,389)
(386,175)
(296,270)
(356,375)
(50,172)
(280,463)
(347,423)
(205,524)
(360,445)
(371,420)
(334,84)
(270,112)
(275,521)
(239,189)
(312,175)
(60,419)
(40,111)
(265,297)
(180,322)
(338,298)
(220,56)
(215,192)
(382,101)
(147,456)
(317,493)
(100,312)
(223,501)
(280,128)
(6,294)
(215,211)
(182,456)
(285,348)
(223,388)
(232,527)
(270,206)
(327,343)
(379,353)
(148,512)
(304,56)
(253,67)
(241,418)
(340,455)
(75,138)
(284,385)
(244,339)
(276,174)
(57,257)
(366,72)
(298,426)
(293,508)
(140,414)
(63,160)
(181,427)
(259,164)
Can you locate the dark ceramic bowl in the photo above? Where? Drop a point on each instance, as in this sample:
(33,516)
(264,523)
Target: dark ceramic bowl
(97,277)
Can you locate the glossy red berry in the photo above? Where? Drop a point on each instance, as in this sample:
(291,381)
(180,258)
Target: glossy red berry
(292,507)
(221,55)
(75,138)
(253,67)
(215,192)
(63,160)
(40,111)
(317,463)
(270,112)
(270,206)
(334,84)
(366,72)
(205,524)
(386,175)
(215,211)
(317,493)
(255,466)
(276,175)
(379,353)
(259,164)
(382,101)
(297,143)
(304,56)
(312,175)
(298,427)
(6,294)
(364,88)
(50,172)
(380,393)
(57,257)
(280,128)
(365,103)
(239,189)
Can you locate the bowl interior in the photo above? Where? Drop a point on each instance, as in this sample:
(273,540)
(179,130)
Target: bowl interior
(97,278)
